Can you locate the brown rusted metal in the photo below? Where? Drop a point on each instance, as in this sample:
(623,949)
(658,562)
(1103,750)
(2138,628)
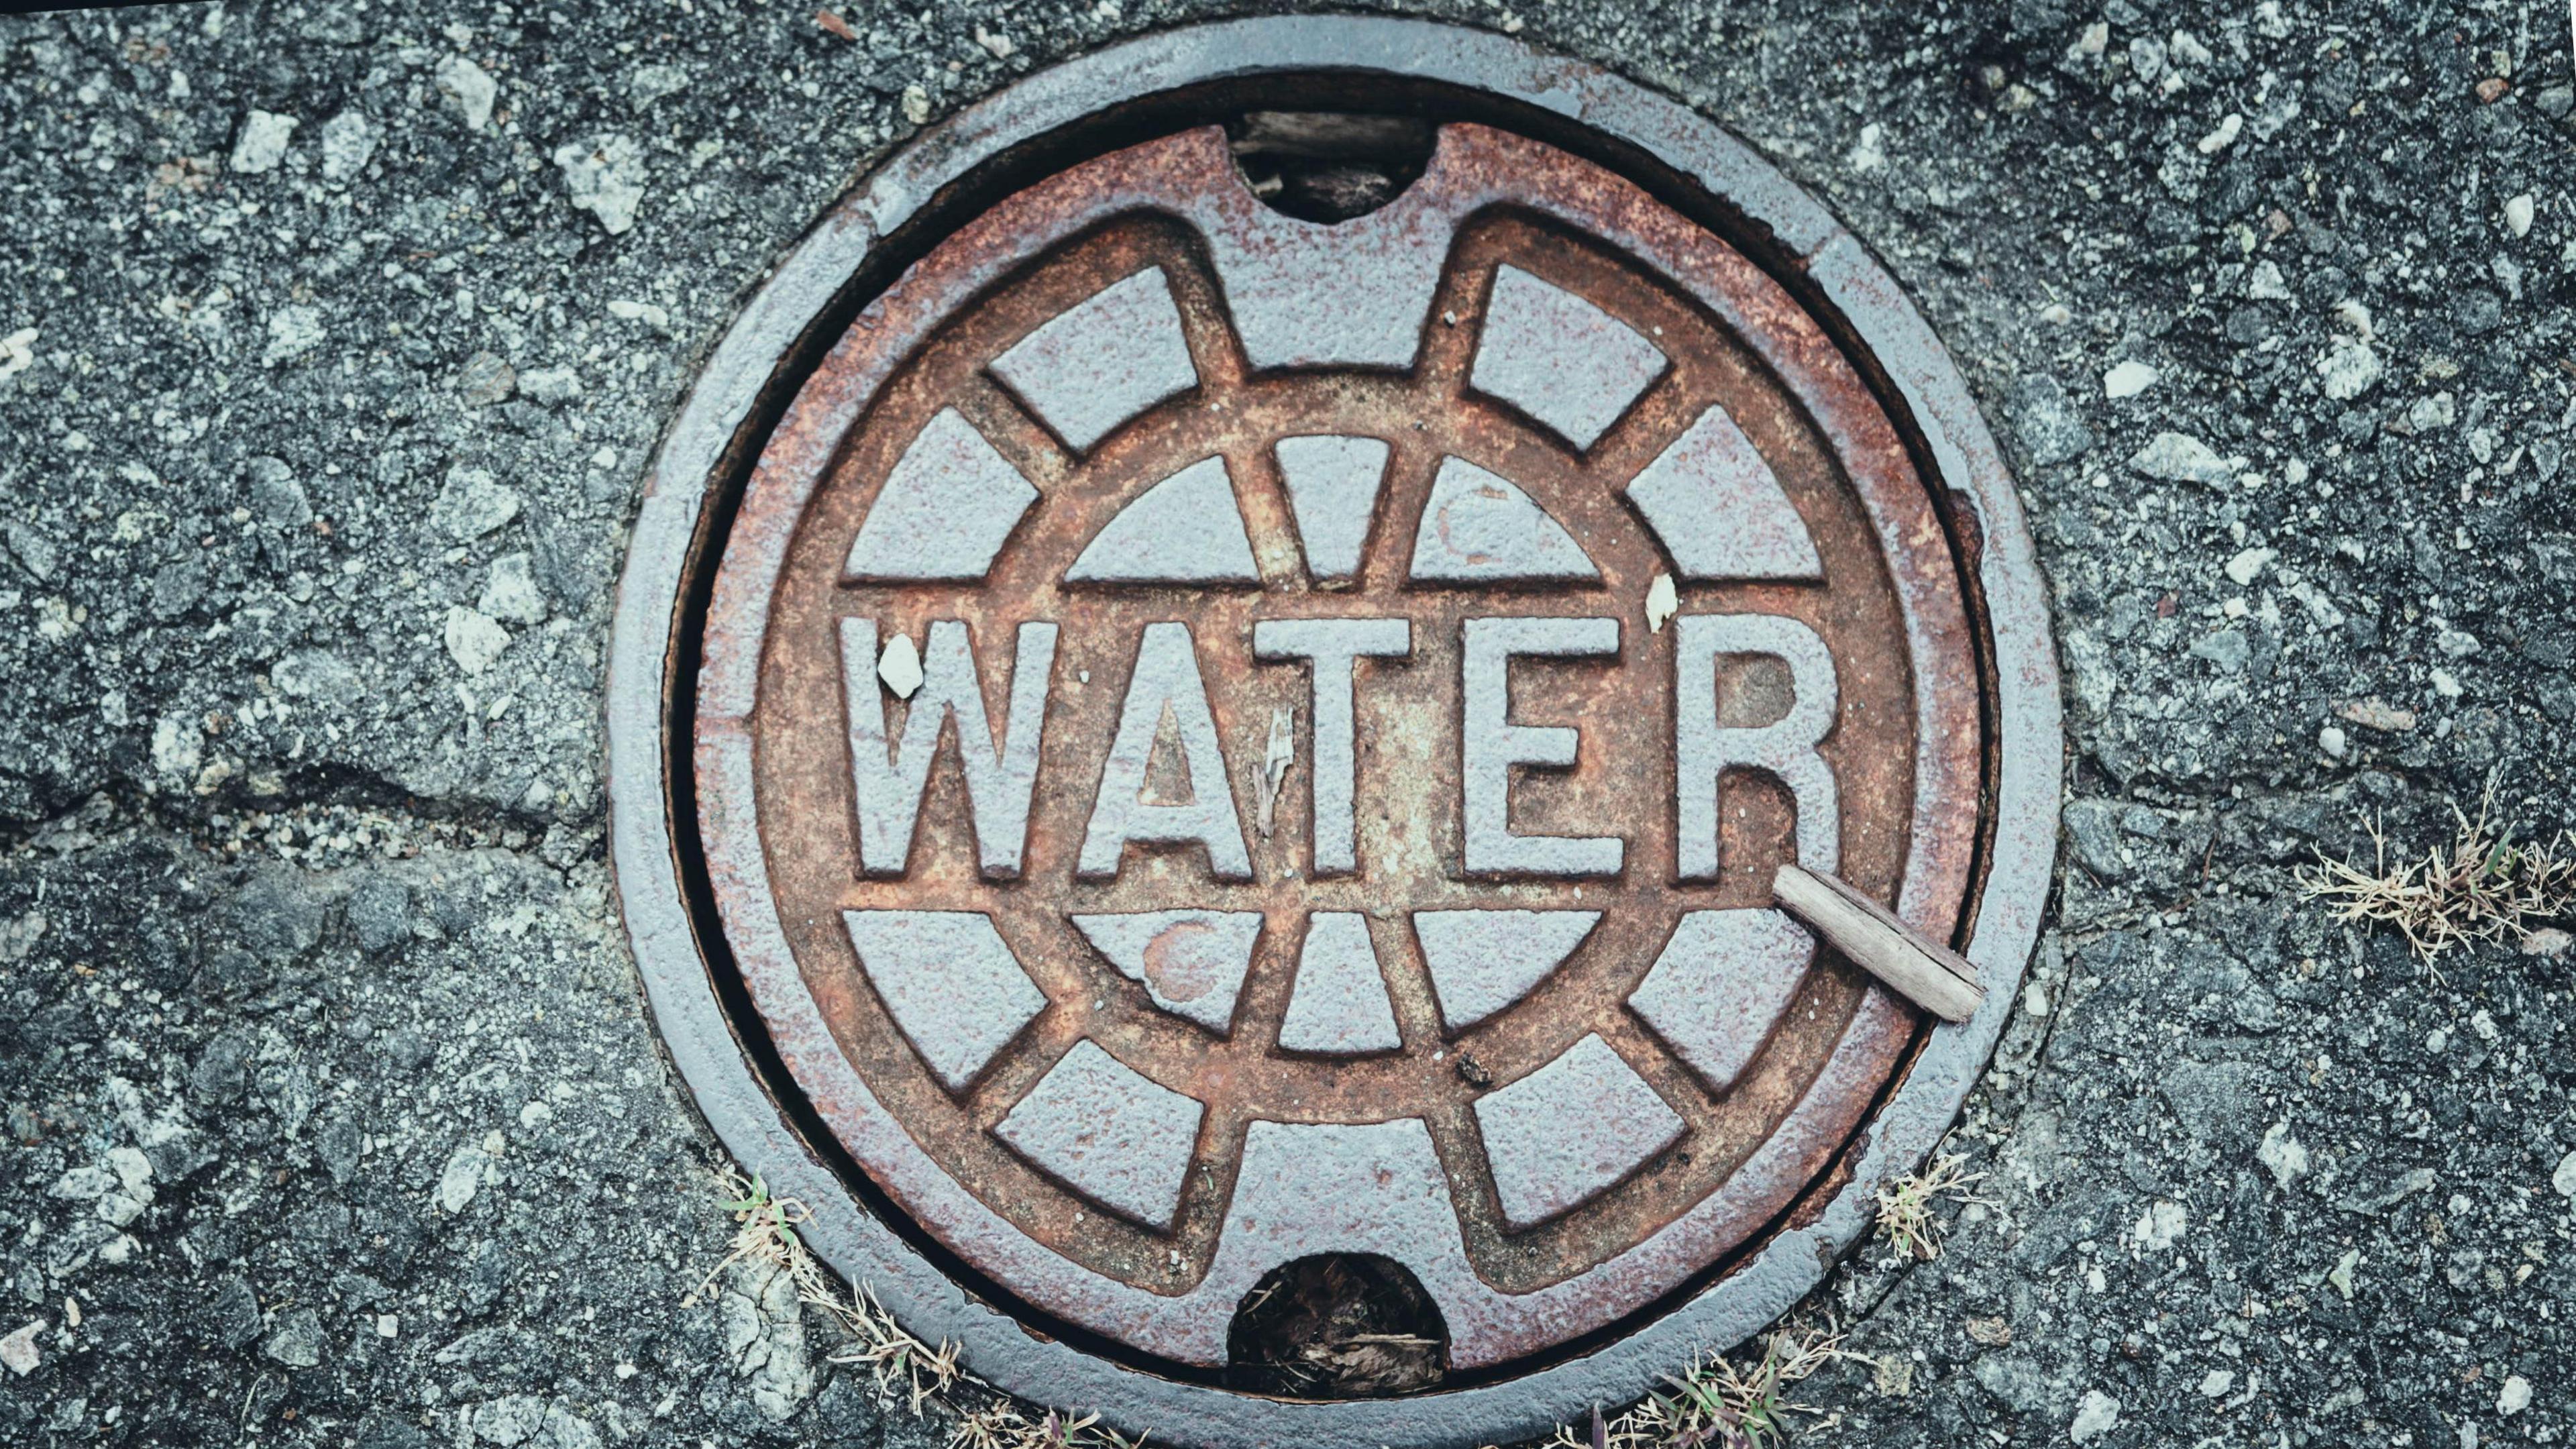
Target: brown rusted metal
(776,778)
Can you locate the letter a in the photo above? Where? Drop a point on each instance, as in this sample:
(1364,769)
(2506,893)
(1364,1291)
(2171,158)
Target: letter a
(1166,682)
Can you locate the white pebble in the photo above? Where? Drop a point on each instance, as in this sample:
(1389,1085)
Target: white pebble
(474,640)
(348,142)
(2178,458)
(84,1184)
(2128,380)
(2160,1226)
(900,666)
(1662,602)
(2517,215)
(1869,152)
(657,318)
(262,142)
(604,177)
(461,1178)
(2096,1416)
(131,1167)
(2349,369)
(510,592)
(2283,1154)
(18,1350)
(469,87)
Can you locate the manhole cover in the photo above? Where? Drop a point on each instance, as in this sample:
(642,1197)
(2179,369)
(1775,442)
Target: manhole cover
(1242,726)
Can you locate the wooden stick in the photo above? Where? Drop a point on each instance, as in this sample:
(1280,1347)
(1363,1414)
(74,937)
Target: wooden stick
(1930,975)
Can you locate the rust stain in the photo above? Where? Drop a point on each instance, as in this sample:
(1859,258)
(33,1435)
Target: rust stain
(1181,962)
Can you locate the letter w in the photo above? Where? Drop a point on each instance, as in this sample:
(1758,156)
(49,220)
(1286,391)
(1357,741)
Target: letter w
(1000,777)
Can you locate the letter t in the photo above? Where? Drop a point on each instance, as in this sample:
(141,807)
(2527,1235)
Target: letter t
(1330,646)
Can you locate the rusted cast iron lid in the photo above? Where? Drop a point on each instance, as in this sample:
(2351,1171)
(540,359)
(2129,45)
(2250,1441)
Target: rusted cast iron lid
(1239,757)
(1297,835)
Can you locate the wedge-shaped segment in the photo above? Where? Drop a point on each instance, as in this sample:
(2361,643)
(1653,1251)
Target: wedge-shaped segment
(947,506)
(1720,985)
(1191,962)
(1183,530)
(1559,358)
(1333,485)
(1102,360)
(1109,1133)
(1720,510)
(1339,1006)
(1568,1132)
(1483,961)
(1477,528)
(951,984)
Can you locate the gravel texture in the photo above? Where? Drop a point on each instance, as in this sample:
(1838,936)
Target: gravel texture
(333,340)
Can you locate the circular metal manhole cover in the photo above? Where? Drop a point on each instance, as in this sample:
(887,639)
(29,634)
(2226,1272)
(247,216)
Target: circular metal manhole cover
(1189,765)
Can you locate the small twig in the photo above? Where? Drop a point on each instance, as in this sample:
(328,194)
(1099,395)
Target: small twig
(1923,971)
(250,1399)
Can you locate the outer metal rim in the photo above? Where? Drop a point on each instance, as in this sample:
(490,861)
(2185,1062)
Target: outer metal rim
(1842,282)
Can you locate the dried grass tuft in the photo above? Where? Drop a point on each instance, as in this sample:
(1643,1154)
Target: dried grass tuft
(904,1368)
(1000,1424)
(1716,1405)
(1905,1205)
(2480,887)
